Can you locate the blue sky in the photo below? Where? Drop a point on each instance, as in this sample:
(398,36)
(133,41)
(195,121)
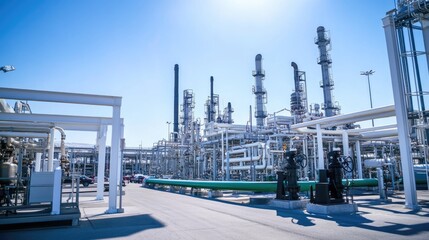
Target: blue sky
(129,48)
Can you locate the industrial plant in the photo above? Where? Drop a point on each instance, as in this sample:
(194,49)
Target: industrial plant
(307,152)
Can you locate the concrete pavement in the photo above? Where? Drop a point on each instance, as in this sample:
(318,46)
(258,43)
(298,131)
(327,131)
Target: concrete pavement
(155,214)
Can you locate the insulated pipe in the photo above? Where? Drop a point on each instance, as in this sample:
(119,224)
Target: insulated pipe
(51,150)
(359,159)
(63,138)
(24,134)
(345,144)
(38,160)
(4,107)
(321,161)
(380,134)
(386,111)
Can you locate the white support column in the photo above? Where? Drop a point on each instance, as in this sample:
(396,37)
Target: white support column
(101,143)
(321,160)
(51,150)
(223,157)
(120,166)
(227,158)
(114,159)
(425,30)
(56,194)
(305,152)
(345,144)
(358,160)
(401,113)
(38,161)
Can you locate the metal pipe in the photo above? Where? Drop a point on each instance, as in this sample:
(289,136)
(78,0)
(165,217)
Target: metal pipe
(51,151)
(269,186)
(387,111)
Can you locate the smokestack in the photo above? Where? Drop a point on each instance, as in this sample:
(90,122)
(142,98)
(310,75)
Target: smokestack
(176,102)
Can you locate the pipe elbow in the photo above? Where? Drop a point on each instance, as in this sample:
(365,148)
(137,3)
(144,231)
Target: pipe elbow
(294,65)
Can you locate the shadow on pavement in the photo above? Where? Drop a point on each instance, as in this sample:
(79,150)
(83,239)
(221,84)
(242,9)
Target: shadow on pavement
(101,227)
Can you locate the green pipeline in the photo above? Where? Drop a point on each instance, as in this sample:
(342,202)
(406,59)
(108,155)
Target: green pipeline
(270,186)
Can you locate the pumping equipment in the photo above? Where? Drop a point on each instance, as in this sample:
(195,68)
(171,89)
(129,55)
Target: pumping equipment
(290,175)
(332,191)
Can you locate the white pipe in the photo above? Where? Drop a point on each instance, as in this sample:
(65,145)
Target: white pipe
(56,192)
(223,157)
(345,144)
(258,167)
(320,162)
(4,107)
(371,129)
(227,157)
(238,151)
(380,134)
(63,138)
(351,117)
(51,150)
(24,134)
(243,159)
(359,160)
(37,163)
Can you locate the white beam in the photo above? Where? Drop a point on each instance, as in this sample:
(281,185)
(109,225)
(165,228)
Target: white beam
(59,97)
(51,118)
(24,134)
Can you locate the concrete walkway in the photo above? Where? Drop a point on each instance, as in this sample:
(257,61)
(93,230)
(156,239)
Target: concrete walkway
(155,214)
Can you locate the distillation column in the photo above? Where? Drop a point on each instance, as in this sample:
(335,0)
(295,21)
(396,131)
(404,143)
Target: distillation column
(188,114)
(324,43)
(176,102)
(298,99)
(260,93)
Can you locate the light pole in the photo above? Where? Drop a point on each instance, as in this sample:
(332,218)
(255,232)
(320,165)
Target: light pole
(7,68)
(168,136)
(367,74)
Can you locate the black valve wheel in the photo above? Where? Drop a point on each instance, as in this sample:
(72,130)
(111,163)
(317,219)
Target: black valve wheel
(348,163)
(302,160)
